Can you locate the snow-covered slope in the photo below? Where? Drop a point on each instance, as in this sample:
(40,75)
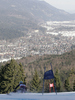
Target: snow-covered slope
(38,96)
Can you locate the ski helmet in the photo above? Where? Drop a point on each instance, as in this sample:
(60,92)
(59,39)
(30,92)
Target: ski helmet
(20,82)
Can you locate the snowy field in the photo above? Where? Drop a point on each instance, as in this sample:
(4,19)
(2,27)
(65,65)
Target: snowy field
(38,96)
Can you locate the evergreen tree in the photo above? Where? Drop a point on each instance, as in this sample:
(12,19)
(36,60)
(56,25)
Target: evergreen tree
(10,76)
(35,83)
(74,86)
(67,84)
(21,71)
(57,81)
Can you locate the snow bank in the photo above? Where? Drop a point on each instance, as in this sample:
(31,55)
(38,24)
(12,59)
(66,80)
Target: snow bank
(38,96)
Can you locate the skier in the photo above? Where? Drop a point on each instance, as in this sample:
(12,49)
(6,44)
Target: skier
(22,88)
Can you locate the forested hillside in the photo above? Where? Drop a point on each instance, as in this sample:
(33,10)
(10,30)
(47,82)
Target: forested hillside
(65,64)
(63,68)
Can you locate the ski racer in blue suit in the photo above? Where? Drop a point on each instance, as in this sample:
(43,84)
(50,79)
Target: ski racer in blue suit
(22,88)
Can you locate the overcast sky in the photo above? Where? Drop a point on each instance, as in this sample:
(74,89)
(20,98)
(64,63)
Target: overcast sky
(67,5)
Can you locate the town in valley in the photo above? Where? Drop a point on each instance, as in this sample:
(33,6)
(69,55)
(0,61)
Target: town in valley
(58,38)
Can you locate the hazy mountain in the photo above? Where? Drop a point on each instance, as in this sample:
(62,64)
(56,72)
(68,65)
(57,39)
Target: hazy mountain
(33,9)
(17,17)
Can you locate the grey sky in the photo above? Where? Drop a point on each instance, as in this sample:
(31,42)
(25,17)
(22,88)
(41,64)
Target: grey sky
(67,5)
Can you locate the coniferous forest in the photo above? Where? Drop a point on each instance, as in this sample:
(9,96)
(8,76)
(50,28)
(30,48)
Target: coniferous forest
(10,76)
(30,70)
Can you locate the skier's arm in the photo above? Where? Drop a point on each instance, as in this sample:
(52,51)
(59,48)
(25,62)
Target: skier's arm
(16,88)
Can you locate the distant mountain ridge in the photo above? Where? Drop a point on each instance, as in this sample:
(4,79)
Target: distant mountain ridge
(35,9)
(17,17)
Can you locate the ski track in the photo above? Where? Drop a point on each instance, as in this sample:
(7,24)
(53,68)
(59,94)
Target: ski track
(38,96)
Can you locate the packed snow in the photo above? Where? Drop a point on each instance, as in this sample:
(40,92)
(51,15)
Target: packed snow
(38,96)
